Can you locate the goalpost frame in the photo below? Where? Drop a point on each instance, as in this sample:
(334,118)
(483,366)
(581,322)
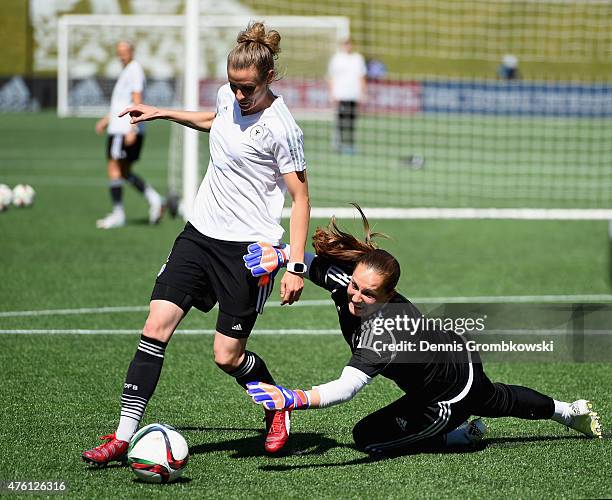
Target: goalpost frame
(468,213)
(191,102)
(192,22)
(63,24)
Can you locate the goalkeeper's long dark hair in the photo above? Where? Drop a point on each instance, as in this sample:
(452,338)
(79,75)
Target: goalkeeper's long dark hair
(335,244)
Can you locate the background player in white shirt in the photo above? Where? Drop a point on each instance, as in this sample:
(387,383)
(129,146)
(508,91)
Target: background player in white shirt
(125,141)
(256,154)
(347,87)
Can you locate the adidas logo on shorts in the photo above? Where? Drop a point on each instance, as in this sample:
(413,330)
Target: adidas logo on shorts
(402,423)
(237,327)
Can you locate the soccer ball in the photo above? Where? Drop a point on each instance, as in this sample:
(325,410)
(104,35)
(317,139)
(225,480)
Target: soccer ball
(23,195)
(6,196)
(414,162)
(158,454)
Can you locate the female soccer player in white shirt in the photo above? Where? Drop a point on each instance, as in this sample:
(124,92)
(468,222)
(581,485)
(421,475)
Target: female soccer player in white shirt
(125,141)
(256,154)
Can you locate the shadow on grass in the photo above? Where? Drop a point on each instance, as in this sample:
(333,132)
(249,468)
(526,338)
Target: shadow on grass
(513,441)
(316,444)
(179,480)
(190,428)
(112,465)
(299,444)
(368,459)
(139,222)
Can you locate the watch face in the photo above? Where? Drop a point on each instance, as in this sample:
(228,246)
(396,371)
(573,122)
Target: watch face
(297,267)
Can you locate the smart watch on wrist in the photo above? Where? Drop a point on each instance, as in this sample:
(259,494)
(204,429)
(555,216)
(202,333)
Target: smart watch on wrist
(297,267)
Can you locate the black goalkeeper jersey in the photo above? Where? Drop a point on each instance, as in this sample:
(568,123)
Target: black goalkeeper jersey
(426,373)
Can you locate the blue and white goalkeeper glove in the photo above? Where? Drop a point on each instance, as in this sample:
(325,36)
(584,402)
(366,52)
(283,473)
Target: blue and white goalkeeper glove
(276,397)
(263,259)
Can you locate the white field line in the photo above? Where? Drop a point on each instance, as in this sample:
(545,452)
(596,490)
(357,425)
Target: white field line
(64,312)
(512,299)
(182,332)
(463,213)
(129,309)
(535,332)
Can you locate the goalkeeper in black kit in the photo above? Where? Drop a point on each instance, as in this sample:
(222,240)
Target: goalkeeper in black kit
(444,386)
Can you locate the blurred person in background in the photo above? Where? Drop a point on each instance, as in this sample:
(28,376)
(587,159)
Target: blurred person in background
(508,69)
(347,87)
(125,140)
(376,69)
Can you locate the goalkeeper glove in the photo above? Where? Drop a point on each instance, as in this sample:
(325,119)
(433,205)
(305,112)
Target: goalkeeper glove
(276,397)
(263,258)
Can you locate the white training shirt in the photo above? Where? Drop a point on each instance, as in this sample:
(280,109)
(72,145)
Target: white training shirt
(243,192)
(346,72)
(131,79)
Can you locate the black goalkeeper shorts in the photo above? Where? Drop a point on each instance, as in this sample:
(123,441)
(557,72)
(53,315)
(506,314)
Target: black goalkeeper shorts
(202,271)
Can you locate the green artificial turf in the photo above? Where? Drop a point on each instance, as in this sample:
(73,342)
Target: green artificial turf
(59,392)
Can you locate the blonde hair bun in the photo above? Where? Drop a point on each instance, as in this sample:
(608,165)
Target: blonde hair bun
(256,32)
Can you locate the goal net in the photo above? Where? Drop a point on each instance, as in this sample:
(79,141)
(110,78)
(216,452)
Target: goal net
(445,130)
(307,44)
(88,67)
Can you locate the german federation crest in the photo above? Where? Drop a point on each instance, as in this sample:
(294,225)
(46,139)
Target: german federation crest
(257,133)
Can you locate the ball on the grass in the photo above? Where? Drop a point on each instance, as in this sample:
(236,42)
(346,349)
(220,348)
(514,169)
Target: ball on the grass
(6,196)
(158,454)
(414,162)
(23,195)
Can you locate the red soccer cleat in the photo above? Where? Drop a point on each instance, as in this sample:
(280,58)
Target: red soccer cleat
(111,451)
(278,423)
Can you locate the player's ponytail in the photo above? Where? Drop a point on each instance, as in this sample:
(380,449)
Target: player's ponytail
(336,244)
(256,47)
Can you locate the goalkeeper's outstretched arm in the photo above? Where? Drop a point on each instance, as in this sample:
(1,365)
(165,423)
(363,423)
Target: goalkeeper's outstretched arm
(198,120)
(276,397)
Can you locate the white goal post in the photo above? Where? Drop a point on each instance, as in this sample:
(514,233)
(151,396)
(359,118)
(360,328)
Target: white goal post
(184,59)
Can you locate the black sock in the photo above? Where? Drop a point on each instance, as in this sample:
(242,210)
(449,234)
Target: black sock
(116,191)
(142,377)
(137,182)
(252,369)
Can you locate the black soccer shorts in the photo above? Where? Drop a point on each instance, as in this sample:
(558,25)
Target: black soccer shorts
(202,271)
(117,150)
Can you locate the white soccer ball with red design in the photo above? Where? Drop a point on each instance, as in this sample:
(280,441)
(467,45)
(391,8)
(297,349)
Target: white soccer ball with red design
(158,454)
(23,195)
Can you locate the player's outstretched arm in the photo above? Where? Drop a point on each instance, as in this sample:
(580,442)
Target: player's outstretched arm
(277,397)
(198,120)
